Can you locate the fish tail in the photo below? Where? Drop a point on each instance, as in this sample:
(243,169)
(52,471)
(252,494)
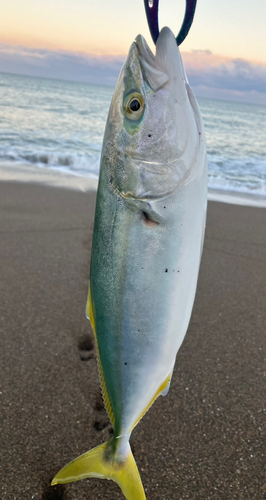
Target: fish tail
(100,462)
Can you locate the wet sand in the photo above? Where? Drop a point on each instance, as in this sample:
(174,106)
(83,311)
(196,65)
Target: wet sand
(206,439)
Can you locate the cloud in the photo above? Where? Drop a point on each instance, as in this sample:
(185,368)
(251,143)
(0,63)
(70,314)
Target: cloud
(232,74)
(200,51)
(209,75)
(219,77)
(64,65)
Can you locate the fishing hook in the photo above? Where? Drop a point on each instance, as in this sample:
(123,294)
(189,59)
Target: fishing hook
(151,8)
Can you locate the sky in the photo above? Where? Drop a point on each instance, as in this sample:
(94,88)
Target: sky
(87,40)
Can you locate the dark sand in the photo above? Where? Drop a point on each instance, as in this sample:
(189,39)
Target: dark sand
(206,440)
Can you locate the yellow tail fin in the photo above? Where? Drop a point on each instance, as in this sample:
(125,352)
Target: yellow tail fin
(94,464)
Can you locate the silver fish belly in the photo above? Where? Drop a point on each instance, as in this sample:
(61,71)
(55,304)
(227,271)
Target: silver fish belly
(147,244)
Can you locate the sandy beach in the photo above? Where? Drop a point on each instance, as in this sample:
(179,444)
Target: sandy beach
(205,440)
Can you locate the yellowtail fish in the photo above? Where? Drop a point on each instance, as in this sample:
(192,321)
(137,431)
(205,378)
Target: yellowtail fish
(147,243)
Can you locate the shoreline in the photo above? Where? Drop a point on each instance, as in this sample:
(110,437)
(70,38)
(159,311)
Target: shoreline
(32,174)
(25,173)
(234,198)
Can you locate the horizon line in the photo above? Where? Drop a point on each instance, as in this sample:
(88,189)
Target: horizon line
(113,87)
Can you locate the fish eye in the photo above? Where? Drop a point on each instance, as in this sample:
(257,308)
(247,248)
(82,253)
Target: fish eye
(134,106)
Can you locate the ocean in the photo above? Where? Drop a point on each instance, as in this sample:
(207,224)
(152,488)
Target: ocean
(59,125)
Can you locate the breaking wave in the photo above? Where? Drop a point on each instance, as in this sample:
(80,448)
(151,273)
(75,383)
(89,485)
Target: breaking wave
(84,165)
(240,175)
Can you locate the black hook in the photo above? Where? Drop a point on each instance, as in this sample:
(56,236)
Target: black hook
(151,8)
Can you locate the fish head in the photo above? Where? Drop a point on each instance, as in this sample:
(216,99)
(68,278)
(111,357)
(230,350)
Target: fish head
(151,135)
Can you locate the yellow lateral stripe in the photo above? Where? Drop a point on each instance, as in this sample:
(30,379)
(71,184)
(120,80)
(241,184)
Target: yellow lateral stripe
(107,402)
(158,392)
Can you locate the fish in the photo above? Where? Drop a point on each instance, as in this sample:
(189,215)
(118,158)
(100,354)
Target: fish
(147,243)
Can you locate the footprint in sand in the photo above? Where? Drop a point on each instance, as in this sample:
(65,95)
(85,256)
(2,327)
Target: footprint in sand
(85,346)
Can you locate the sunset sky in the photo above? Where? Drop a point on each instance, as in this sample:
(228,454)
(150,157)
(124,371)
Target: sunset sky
(87,40)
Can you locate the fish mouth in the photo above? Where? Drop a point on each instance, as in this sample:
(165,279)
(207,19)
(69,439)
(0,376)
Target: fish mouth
(162,69)
(165,67)
(151,72)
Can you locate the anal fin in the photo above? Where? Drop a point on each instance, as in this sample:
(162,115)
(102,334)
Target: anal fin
(166,388)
